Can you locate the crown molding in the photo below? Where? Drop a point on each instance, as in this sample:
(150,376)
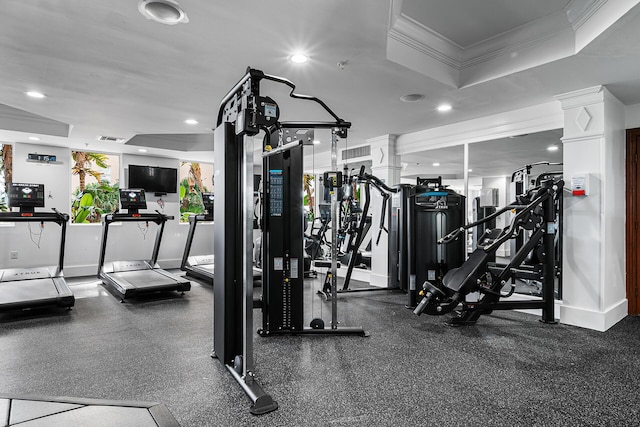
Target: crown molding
(555,36)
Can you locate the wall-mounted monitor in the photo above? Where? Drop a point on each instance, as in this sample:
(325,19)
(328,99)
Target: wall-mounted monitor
(153,179)
(133,200)
(26,196)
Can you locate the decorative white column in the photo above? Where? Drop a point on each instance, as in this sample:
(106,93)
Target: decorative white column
(594,292)
(386,166)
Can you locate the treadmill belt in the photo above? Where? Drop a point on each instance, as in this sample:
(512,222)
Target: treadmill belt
(27,290)
(143,278)
(206,268)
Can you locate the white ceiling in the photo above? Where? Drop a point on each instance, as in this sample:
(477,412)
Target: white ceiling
(467,22)
(109,71)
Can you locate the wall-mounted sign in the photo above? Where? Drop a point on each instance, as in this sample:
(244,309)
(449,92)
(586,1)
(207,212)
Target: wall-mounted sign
(42,158)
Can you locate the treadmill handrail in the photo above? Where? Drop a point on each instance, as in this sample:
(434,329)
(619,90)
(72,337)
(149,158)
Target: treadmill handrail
(157,218)
(141,217)
(56,216)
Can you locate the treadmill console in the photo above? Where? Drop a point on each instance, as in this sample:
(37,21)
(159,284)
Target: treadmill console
(133,200)
(207,201)
(27,197)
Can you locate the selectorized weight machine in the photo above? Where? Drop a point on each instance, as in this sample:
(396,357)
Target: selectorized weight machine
(244,113)
(421,214)
(537,213)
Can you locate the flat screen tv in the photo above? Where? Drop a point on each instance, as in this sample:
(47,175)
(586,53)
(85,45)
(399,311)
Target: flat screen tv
(26,196)
(153,179)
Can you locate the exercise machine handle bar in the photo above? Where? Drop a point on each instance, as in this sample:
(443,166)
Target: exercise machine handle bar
(454,234)
(377,182)
(384,192)
(296,125)
(518,207)
(528,167)
(547,175)
(512,229)
(258,75)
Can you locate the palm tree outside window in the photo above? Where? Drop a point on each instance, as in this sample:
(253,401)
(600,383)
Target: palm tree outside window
(95,183)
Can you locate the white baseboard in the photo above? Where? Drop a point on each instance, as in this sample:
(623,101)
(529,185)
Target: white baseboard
(591,319)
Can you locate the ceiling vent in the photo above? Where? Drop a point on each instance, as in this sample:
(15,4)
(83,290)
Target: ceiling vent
(353,153)
(103,138)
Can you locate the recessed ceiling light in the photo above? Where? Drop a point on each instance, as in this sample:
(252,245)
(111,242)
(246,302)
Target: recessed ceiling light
(315,141)
(142,150)
(166,12)
(444,107)
(34,94)
(552,148)
(191,121)
(469,170)
(412,97)
(436,164)
(34,138)
(299,58)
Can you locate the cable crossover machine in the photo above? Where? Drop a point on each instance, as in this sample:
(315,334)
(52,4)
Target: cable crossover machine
(243,114)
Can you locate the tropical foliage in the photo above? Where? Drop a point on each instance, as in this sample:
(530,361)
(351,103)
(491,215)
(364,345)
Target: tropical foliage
(92,200)
(191,189)
(97,199)
(84,163)
(309,200)
(6,169)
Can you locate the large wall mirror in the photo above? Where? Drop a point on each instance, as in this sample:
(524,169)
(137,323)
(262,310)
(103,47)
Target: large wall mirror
(490,181)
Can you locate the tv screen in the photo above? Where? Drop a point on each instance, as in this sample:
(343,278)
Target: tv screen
(133,199)
(153,179)
(27,196)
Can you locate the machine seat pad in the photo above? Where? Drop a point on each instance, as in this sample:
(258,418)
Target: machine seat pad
(457,278)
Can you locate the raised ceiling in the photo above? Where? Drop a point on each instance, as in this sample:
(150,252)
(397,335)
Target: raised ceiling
(466,23)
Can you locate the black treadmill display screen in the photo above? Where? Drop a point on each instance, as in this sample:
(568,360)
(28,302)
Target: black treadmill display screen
(26,195)
(133,199)
(207,201)
(276,192)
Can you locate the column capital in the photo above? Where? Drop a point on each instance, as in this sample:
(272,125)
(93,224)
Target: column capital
(582,97)
(388,139)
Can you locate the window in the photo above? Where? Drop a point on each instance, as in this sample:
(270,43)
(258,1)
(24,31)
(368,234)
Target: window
(94,183)
(195,179)
(6,172)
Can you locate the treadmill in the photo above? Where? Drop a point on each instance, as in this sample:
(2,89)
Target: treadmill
(32,287)
(133,278)
(199,266)
(202,266)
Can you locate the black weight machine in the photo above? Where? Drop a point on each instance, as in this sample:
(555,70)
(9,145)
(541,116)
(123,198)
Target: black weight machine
(361,228)
(521,181)
(421,214)
(537,212)
(244,113)
(316,240)
(354,224)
